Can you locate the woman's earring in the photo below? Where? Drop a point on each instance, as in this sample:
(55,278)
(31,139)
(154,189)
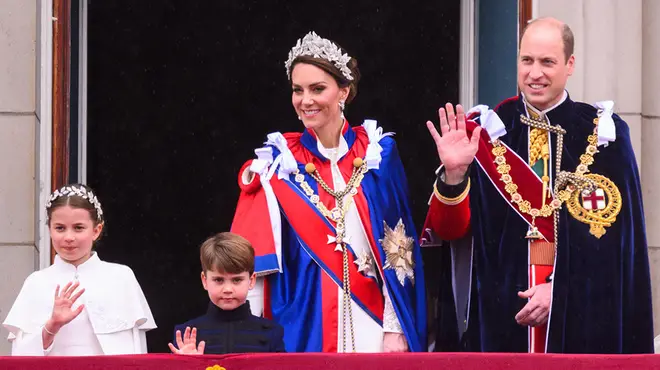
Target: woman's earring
(342,105)
(299,118)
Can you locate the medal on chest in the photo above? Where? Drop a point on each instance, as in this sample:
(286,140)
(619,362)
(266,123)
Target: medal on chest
(590,198)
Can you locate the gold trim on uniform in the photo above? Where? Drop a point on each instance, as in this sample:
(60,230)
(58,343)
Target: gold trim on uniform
(541,252)
(451,201)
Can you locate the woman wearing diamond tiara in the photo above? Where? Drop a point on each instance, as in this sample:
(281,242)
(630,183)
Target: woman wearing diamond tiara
(327,213)
(80,305)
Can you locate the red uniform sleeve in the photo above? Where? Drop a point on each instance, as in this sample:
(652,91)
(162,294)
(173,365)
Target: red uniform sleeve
(449,218)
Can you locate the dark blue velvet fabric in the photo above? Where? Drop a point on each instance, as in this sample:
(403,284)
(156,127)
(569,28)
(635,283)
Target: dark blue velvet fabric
(236,331)
(602,292)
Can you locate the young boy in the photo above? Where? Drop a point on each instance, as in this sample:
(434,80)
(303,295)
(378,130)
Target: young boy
(228,325)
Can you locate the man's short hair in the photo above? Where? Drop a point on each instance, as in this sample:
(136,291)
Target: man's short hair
(566,35)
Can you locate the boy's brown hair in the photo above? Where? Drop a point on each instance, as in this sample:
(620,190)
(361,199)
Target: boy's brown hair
(227,252)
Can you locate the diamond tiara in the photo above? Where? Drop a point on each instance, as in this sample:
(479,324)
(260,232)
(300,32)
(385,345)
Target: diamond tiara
(318,47)
(68,191)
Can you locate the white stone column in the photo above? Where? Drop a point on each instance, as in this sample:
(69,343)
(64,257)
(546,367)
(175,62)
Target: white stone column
(613,60)
(570,12)
(617,46)
(18,126)
(626,50)
(608,66)
(651,142)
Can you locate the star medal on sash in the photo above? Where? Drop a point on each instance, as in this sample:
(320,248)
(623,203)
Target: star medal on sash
(363,261)
(398,249)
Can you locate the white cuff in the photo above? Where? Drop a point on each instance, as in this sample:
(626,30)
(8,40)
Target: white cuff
(391,322)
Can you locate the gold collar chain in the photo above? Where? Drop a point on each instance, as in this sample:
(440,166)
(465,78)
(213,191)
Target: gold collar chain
(338,215)
(562,189)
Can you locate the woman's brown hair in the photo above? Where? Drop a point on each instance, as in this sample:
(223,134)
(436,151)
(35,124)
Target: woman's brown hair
(333,71)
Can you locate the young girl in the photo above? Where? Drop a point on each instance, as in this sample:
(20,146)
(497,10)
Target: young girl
(80,305)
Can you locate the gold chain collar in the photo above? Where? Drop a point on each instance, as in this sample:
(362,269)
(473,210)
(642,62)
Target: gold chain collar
(338,215)
(565,184)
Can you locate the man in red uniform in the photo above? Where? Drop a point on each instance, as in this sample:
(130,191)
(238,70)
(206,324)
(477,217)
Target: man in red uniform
(542,204)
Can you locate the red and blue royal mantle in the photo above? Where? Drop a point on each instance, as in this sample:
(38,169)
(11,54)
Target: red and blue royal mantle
(290,237)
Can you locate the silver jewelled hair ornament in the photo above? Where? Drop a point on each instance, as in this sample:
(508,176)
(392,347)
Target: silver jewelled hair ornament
(318,47)
(68,191)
